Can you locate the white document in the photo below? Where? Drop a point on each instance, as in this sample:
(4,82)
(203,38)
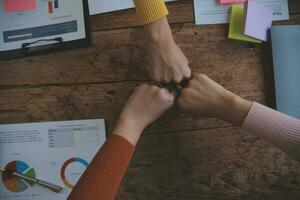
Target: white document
(41,19)
(211,12)
(104,6)
(57,152)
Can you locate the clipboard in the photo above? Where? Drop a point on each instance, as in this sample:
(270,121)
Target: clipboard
(58,25)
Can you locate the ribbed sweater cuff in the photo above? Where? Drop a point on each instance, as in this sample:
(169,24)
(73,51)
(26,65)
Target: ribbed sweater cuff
(150,10)
(276,128)
(103,177)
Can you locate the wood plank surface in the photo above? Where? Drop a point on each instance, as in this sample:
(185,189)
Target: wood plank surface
(178,157)
(223,163)
(32,104)
(121,55)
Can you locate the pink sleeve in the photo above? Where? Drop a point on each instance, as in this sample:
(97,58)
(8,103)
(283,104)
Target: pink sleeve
(276,128)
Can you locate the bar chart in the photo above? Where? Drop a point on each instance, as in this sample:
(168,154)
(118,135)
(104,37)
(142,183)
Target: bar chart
(52,5)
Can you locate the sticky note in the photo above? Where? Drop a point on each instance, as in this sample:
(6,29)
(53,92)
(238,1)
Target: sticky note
(258,20)
(231,1)
(236,27)
(19,5)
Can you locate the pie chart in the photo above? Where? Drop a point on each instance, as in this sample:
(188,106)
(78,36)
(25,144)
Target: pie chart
(13,183)
(75,171)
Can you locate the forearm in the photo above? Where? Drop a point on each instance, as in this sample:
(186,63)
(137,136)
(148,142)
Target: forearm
(102,178)
(153,14)
(276,128)
(159,31)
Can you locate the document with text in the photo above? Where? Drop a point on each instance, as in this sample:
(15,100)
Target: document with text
(57,152)
(211,12)
(104,6)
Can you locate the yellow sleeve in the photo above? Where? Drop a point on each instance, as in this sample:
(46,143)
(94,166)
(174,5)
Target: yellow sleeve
(150,10)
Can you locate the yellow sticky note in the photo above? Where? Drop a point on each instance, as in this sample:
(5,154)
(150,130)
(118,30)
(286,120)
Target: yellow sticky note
(236,27)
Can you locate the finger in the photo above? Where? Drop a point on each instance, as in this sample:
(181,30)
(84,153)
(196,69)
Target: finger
(188,73)
(177,79)
(175,93)
(185,82)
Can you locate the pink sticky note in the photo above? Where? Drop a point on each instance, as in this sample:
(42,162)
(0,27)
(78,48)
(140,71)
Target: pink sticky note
(19,5)
(231,1)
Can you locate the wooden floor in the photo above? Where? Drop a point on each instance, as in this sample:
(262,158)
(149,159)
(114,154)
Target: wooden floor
(177,157)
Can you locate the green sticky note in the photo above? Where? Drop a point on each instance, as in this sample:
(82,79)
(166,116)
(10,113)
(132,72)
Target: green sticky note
(236,28)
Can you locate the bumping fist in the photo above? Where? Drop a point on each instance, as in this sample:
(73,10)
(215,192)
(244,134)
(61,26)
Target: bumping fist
(205,97)
(167,62)
(145,105)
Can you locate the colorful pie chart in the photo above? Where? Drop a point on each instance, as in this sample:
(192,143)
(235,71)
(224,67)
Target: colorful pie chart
(64,167)
(13,183)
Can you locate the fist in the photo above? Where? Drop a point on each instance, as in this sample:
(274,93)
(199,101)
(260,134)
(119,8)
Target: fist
(204,97)
(167,63)
(145,105)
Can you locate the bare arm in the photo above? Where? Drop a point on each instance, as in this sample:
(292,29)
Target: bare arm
(103,177)
(167,62)
(203,96)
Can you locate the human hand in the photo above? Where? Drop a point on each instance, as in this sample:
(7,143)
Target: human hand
(205,97)
(145,105)
(167,63)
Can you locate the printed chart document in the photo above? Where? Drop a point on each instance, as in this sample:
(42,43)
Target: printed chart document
(211,12)
(104,6)
(57,152)
(27,21)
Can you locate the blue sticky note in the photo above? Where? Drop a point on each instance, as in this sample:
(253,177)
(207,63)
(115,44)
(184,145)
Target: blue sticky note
(286,59)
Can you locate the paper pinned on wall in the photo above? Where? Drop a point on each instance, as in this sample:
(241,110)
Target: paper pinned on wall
(104,6)
(211,12)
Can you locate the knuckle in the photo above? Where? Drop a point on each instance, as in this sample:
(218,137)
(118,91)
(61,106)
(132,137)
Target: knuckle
(144,86)
(178,78)
(156,77)
(167,79)
(193,82)
(163,92)
(154,88)
(187,74)
(204,76)
(198,75)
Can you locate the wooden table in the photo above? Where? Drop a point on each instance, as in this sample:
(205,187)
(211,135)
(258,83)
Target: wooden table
(177,157)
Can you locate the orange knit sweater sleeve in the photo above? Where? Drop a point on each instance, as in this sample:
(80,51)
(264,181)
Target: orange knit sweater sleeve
(104,174)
